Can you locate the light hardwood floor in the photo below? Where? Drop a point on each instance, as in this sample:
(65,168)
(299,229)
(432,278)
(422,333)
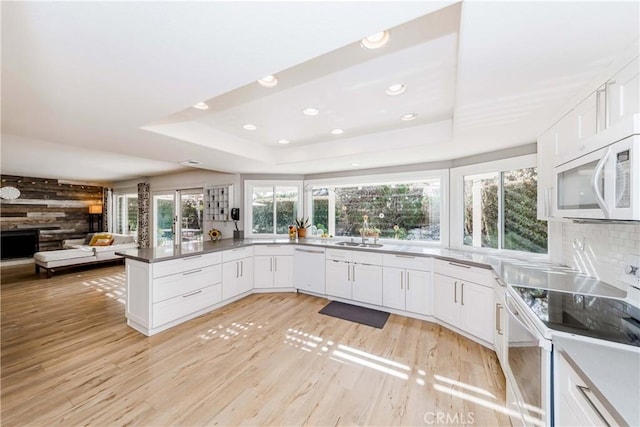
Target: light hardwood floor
(68,358)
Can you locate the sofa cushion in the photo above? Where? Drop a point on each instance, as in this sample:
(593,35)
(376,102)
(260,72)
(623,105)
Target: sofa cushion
(99,236)
(120,239)
(63,254)
(103,242)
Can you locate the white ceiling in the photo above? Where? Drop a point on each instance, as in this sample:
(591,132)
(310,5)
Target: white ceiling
(101,91)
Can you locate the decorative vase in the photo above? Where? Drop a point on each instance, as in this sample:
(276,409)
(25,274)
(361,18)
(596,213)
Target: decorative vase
(302,233)
(215,235)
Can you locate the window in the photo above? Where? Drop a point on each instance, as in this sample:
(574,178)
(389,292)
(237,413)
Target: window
(273,207)
(500,210)
(407,210)
(126,214)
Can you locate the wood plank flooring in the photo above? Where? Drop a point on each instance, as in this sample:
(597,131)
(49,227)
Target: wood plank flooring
(68,358)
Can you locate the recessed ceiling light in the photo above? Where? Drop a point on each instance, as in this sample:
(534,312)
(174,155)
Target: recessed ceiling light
(396,89)
(337,131)
(374,41)
(283,141)
(408,117)
(201,106)
(355,164)
(310,111)
(249,126)
(268,81)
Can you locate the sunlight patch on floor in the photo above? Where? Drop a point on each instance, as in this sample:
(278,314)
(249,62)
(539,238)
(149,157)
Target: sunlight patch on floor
(113,286)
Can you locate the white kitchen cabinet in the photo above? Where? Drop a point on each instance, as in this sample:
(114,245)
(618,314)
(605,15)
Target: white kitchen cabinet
(273,267)
(623,93)
(309,269)
(366,281)
(166,293)
(464,298)
(354,275)
(237,272)
(338,279)
(546,178)
(407,283)
(408,290)
(575,402)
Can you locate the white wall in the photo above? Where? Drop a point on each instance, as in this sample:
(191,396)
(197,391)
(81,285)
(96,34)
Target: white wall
(603,251)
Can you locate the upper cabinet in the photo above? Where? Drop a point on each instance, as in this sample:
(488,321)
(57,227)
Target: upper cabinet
(603,117)
(623,93)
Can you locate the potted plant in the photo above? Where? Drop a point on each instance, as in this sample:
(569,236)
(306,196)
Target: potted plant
(301,225)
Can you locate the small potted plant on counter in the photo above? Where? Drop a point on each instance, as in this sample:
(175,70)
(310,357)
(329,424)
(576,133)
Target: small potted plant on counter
(301,225)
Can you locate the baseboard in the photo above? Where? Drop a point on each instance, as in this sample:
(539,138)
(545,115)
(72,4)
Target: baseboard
(19,261)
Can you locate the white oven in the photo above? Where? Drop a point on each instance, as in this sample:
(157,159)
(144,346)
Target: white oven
(529,365)
(604,184)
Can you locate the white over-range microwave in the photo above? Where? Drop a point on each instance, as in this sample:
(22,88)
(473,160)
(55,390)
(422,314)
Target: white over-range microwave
(604,184)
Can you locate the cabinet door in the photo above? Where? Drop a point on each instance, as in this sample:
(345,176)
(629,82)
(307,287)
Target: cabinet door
(245,281)
(393,294)
(446,299)
(263,272)
(283,271)
(338,279)
(623,93)
(546,152)
(499,331)
(586,116)
(418,292)
(477,310)
(367,283)
(230,276)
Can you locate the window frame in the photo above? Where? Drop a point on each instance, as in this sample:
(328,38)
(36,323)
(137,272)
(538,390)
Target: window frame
(457,202)
(385,179)
(249,185)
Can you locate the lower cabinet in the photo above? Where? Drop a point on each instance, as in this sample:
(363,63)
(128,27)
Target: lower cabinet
(183,305)
(465,305)
(349,275)
(237,277)
(575,403)
(408,290)
(273,266)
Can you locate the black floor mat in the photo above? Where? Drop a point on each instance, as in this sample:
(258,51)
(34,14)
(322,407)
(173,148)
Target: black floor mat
(353,313)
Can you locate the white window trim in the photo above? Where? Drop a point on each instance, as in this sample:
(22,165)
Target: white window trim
(457,200)
(248,191)
(392,178)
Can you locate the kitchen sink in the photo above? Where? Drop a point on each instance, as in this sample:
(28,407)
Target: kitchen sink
(347,244)
(359,245)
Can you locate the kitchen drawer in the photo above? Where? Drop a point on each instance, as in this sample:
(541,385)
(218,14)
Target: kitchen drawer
(273,250)
(239,253)
(186,304)
(181,265)
(410,262)
(338,254)
(366,258)
(178,284)
(464,272)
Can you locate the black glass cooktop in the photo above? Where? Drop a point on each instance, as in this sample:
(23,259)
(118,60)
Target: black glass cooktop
(598,317)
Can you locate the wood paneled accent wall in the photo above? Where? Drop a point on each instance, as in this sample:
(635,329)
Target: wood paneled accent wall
(60,210)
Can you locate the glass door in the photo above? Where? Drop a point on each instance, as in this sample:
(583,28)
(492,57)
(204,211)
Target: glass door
(191,215)
(164,219)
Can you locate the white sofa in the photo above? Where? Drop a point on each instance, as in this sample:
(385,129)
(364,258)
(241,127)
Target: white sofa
(78,252)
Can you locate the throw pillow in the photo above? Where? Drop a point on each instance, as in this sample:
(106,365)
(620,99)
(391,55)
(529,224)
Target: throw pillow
(98,236)
(103,242)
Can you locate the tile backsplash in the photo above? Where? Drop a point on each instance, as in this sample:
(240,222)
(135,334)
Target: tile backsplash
(599,249)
